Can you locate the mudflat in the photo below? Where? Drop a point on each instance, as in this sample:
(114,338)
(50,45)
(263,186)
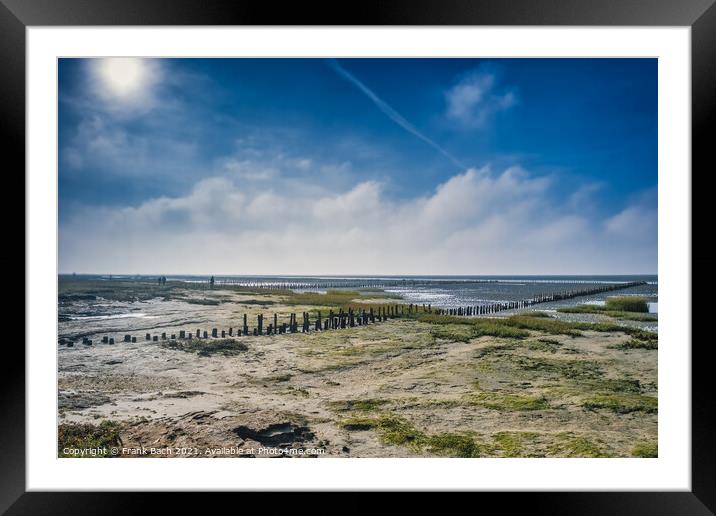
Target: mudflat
(521,385)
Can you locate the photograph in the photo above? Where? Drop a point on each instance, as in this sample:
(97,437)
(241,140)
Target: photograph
(351,257)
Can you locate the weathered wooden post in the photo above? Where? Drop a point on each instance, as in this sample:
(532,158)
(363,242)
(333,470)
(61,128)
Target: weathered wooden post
(246,326)
(105,339)
(206,334)
(148,337)
(275,321)
(261,324)
(223,334)
(164,335)
(111,340)
(198,333)
(318,321)
(155,338)
(127,338)
(134,339)
(213,332)
(174,336)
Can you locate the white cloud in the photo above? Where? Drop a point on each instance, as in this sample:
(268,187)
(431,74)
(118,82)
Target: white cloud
(99,143)
(474,99)
(638,221)
(477,222)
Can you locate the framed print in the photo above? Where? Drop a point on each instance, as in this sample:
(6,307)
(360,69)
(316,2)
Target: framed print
(419,248)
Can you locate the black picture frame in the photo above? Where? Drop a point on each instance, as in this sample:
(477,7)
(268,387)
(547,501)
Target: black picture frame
(700,15)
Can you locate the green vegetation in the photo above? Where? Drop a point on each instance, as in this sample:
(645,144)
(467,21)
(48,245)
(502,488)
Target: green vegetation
(463,329)
(507,402)
(622,403)
(399,431)
(512,444)
(518,326)
(88,436)
(617,314)
(537,313)
(546,325)
(568,444)
(638,344)
(645,449)
(560,368)
(332,299)
(362,405)
(202,301)
(546,345)
(627,304)
(396,430)
(359,423)
(207,347)
(452,445)
(631,308)
(608,385)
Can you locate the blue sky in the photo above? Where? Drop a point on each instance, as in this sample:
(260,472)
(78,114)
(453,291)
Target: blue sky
(559,155)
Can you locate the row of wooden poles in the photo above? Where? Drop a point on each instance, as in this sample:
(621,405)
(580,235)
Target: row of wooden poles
(491,308)
(305,285)
(332,321)
(351,318)
(382,283)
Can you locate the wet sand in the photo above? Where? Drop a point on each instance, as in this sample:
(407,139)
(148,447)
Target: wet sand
(399,388)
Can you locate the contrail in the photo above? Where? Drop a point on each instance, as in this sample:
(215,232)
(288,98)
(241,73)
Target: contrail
(392,113)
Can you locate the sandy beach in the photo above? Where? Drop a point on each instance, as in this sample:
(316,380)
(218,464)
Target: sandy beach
(405,387)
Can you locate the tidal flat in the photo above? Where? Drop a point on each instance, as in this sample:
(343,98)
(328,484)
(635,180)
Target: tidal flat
(524,384)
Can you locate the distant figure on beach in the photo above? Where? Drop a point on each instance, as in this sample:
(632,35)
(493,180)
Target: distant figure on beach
(211,282)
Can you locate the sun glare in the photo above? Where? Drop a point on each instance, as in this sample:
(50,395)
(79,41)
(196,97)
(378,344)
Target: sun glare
(125,78)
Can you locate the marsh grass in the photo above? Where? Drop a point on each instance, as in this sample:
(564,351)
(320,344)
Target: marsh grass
(637,344)
(335,299)
(513,444)
(569,444)
(507,402)
(645,449)
(202,301)
(621,403)
(452,444)
(399,431)
(518,326)
(561,368)
(463,329)
(617,314)
(366,405)
(610,385)
(627,304)
(545,345)
(87,435)
(207,347)
(359,423)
